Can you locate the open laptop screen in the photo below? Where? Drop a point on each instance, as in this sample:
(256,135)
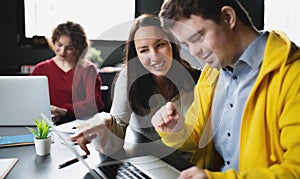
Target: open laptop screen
(23,98)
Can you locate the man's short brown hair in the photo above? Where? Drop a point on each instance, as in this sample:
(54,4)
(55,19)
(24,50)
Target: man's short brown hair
(207,9)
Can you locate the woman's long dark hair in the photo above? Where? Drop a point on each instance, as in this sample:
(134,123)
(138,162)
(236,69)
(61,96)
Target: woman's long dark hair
(141,85)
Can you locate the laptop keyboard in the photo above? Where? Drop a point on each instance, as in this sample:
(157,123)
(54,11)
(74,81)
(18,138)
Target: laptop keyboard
(123,170)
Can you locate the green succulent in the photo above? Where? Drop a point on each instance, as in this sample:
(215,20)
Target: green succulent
(42,129)
(94,55)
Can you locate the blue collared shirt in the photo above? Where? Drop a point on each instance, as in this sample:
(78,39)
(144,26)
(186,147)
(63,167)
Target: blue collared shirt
(234,86)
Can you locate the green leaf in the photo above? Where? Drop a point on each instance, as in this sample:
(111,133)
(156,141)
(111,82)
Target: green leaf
(42,129)
(33,131)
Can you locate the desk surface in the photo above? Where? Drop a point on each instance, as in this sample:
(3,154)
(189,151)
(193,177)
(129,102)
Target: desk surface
(30,165)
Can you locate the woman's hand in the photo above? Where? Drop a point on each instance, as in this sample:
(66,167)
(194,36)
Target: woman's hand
(98,126)
(57,113)
(167,119)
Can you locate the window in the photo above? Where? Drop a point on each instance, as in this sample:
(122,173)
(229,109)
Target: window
(284,16)
(101,19)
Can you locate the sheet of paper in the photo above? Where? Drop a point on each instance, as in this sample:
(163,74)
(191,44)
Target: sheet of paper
(70,127)
(6,164)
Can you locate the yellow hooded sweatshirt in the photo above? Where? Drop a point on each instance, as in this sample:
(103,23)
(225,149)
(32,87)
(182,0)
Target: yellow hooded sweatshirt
(270,129)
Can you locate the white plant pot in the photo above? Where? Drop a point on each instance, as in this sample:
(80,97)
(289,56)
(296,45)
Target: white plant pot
(42,146)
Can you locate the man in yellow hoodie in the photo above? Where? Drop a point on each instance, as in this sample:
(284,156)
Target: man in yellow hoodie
(244,120)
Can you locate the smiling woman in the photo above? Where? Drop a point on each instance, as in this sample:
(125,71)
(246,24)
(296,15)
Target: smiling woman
(154,50)
(154,73)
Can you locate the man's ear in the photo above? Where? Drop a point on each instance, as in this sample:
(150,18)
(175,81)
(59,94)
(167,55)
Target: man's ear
(229,15)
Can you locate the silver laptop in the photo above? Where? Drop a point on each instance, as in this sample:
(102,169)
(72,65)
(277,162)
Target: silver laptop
(137,167)
(23,98)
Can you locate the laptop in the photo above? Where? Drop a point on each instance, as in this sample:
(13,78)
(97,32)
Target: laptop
(137,167)
(22,99)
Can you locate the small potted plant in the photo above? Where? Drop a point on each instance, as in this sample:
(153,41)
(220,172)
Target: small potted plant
(94,55)
(42,140)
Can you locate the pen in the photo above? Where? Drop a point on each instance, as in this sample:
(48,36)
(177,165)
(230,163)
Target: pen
(72,143)
(69,162)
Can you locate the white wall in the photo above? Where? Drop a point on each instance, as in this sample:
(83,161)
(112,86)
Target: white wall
(284,16)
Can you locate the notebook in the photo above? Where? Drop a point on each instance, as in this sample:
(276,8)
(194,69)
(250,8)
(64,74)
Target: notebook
(137,167)
(16,140)
(23,98)
(6,165)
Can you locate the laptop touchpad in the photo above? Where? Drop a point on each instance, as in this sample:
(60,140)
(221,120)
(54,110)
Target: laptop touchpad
(163,172)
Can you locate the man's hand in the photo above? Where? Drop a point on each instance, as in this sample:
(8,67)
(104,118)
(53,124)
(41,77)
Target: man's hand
(193,172)
(167,119)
